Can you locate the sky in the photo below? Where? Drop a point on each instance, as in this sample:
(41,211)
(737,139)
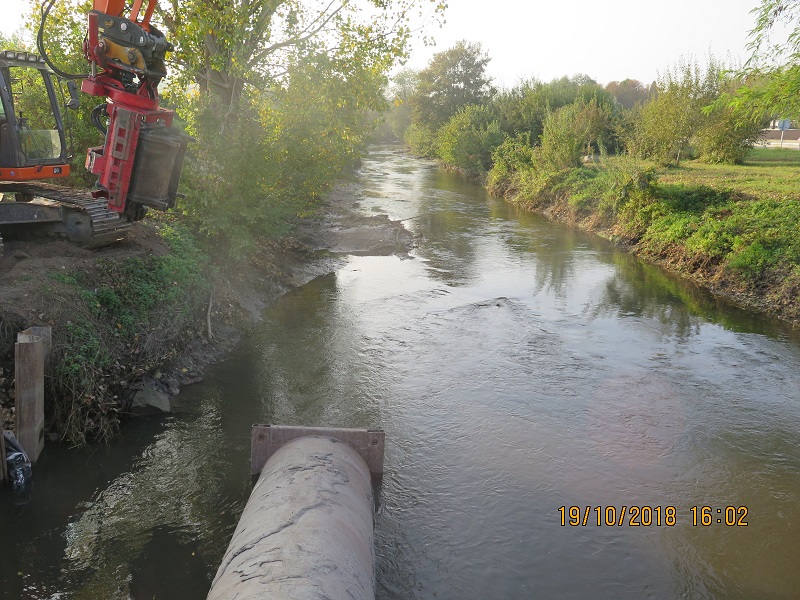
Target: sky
(609,40)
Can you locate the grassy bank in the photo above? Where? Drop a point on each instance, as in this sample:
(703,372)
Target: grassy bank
(115,314)
(732,228)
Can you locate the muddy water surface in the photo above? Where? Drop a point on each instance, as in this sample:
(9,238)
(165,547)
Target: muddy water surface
(518,367)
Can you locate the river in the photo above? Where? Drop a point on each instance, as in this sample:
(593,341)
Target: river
(519,368)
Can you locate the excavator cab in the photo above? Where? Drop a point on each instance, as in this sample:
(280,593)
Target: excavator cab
(32,141)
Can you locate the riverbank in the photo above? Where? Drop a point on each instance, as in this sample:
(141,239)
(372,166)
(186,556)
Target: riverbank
(731,229)
(135,322)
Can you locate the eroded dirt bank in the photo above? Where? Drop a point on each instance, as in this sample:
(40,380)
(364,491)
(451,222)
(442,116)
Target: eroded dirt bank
(37,288)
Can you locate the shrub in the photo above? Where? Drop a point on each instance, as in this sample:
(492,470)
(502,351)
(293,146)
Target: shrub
(421,140)
(509,159)
(562,142)
(726,138)
(468,140)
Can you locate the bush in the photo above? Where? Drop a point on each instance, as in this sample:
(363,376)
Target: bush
(509,159)
(726,138)
(571,131)
(422,140)
(561,141)
(468,140)
(609,188)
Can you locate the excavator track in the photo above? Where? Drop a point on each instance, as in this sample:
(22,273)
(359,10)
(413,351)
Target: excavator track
(60,211)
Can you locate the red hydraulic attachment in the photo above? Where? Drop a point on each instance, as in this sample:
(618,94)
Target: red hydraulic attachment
(141,159)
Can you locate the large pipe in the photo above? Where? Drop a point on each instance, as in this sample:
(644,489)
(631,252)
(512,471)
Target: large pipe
(306,531)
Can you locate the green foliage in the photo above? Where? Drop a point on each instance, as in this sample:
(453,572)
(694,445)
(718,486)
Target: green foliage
(561,141)
(570,132)
(224,49)
(454,78)
(726,136)
(139,308)
(771,91)
(664,125)
(136,288)
(751,236)
(687,118)
(81,367)
(252,178)
(618,190)
(780,16)
(510,158)
(524,108)
(421,140)
(628,92)
(468,140)
(398,117)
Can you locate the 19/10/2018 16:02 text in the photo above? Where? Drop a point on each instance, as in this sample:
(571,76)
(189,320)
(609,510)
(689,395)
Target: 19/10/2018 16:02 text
(644,515)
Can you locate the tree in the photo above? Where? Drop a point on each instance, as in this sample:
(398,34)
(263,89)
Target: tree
(772,75)
(726,137)
(454,78)
(663,127)
(223,47)
(628,92)
(402,87)
(524,108)
(769,14)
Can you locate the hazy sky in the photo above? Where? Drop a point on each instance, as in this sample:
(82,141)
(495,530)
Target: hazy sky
(605,39)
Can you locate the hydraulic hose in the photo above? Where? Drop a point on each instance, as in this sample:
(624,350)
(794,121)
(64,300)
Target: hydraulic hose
(43,51)
(98,112)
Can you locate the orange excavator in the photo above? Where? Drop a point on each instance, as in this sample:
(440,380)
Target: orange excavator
(140,162)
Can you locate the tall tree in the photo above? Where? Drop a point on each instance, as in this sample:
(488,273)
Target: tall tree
(665,125)
(454,78)
(402,87)
(628,92)
(773,72)
(224,46)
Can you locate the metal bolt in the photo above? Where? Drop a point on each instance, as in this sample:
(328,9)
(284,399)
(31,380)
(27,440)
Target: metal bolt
(123,27)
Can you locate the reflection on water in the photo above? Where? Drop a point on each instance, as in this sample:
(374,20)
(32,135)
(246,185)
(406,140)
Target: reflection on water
(517,366)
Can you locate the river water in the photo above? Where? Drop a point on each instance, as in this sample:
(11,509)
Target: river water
(518,367)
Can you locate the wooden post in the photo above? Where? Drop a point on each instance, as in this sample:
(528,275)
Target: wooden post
(30,353)
(3,465)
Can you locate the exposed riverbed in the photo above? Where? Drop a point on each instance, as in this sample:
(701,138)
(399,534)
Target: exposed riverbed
(517,366)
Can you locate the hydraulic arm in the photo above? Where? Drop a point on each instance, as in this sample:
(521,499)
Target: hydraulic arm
(140,163)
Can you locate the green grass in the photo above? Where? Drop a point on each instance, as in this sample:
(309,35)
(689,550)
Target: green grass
(736,224)
(768,173)
(773,156)
(127,316)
